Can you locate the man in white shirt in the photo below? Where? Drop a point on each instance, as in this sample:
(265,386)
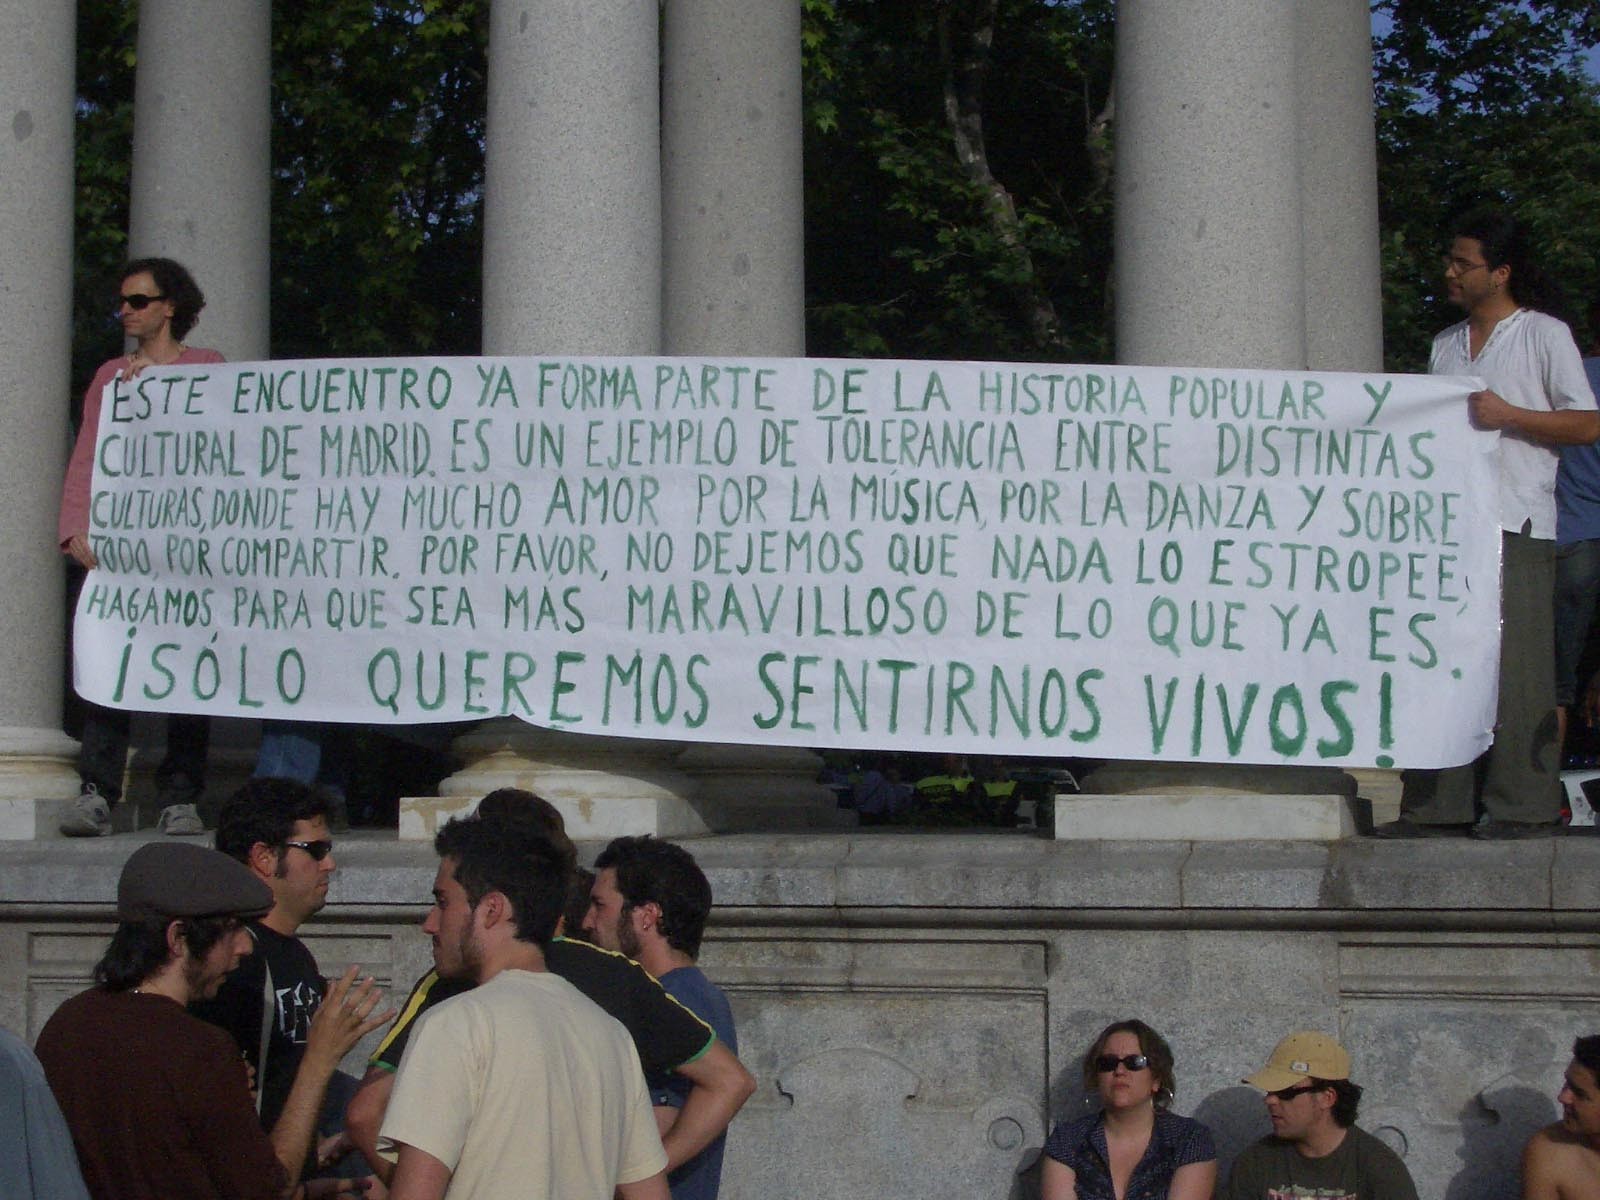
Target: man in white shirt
(522,1085)
(1537,396)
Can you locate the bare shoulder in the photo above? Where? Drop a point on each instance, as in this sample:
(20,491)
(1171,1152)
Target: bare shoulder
(1555,1138)
(1557,1163)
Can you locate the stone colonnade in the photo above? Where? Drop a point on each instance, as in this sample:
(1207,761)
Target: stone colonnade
(643,195)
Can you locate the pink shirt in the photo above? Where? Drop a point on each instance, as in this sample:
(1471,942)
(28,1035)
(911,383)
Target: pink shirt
(80,467)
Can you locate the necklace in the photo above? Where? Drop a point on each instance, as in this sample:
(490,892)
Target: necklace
(140,359)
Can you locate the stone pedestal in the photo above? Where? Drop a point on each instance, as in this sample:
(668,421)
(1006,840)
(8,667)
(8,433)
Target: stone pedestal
(603,786)
(1208,803)
(1379,789)
(761,787)
(36,777)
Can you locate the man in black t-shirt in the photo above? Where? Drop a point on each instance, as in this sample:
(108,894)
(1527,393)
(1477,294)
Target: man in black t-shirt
(666,1034)
(278,829)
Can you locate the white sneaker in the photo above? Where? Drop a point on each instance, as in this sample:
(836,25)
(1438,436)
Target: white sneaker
(87,816)
(180,820)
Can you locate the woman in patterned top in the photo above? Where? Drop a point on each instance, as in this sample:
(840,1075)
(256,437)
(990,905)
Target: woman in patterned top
(1133,1148)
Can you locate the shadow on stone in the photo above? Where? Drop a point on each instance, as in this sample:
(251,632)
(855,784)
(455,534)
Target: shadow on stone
(1495,1125)
(1236,1117)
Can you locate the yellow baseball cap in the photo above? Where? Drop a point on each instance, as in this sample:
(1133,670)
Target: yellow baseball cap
(1301,1057)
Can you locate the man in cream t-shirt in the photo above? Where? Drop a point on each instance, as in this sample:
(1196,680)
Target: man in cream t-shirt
(522,1086)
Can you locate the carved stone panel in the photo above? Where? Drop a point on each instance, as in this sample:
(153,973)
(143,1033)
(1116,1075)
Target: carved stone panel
(883,1064)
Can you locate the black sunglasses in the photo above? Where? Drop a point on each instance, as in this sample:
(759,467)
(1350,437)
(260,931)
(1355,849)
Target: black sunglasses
(1107,1063)
(1284,1095)
(317,850)
(138,301)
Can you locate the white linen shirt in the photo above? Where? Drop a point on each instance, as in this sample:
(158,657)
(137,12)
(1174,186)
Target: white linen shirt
(1531,361)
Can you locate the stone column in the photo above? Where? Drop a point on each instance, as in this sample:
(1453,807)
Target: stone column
(572,182)
(201,193)
(572,265)
(202,159)
(1339,216)
(732,199)
(1220,142)
(36,104)
(1208,265)
(1339,187)
(733,210)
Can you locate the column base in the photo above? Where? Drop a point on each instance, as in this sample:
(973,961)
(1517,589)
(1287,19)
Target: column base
(741,788)
(605,787)
(1210,818)
(38,773)
(1207,802)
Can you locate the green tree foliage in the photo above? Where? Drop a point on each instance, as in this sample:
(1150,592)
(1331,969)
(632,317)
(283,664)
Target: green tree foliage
(103,134)
(377,154)
(958,162)
(1483,102)
(955,207)
(377,151)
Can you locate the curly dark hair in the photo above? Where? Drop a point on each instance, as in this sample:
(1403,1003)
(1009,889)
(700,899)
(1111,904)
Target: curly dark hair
(176,285)
(1586,1053)
(520,863)
(651,871)
(1151,1044)
(1346,1100)
(529,810)
(265,810)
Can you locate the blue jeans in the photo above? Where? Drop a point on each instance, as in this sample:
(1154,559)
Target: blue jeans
(289,750)
(1577,586)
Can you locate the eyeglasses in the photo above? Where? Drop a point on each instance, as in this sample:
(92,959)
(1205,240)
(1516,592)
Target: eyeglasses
(1107,1063)
(317,850)
(1461,266)
(1284,1095)
(137,301)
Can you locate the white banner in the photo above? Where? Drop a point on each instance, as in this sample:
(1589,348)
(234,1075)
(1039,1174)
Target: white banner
(1141,563)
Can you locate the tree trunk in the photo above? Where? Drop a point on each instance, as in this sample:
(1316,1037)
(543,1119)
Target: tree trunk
(964,56)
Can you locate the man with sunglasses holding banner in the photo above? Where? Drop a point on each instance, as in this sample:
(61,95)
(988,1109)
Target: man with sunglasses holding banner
(1315,1148)
(157,305)
(278,828)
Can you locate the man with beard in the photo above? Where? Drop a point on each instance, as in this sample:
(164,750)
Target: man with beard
(650,901)
(1315,1148)
(667,1036)
(157,1100)
(1537,397)
(522,1041)
(278,829)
